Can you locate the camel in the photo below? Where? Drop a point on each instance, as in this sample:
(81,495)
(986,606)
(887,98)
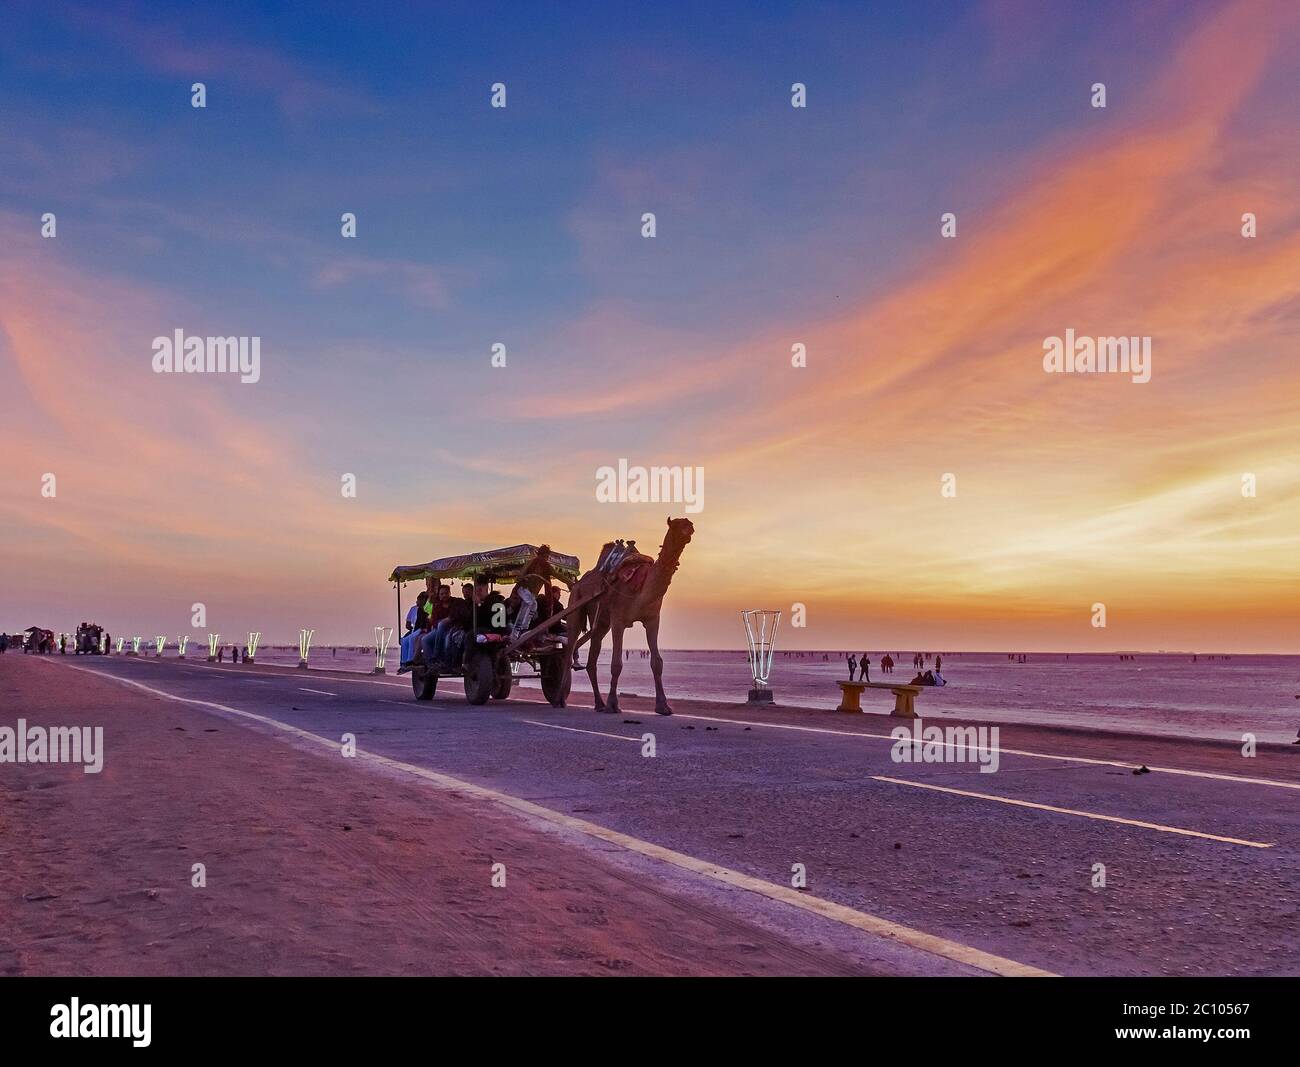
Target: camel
(622,605)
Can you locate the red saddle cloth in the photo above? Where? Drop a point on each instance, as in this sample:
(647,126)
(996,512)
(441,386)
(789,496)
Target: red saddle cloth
(633,570)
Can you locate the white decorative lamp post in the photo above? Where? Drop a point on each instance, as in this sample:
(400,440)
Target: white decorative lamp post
(304,647)
(212,647)
(254,636)
(760,636)
(160,642)
(181,642)
(383,637)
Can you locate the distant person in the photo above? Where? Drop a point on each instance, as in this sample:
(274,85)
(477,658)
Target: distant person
(864,666)
(853,666)
(938,662)
(221,654)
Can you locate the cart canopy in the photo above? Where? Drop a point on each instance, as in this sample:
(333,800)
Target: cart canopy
(499,564)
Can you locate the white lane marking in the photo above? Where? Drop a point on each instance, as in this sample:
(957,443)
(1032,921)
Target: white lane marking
(1073,811)
(1006,751)
(1211,775)
(333,676)
(318,692)
(575,730)
(860,920)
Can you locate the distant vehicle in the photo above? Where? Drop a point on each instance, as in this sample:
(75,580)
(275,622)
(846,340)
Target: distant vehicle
(89,639)
(38,640)
(487,659)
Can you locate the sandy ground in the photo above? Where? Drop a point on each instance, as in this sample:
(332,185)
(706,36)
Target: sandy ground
(308,871)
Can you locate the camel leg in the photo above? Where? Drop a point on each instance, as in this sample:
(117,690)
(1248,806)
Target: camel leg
(590,619)
(596,634)
(581,635)
(615,666)
(656,665)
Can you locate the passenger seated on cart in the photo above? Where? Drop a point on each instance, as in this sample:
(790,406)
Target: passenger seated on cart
(414,627)
(438,607)
(489,618)
(551,603)
(459,618)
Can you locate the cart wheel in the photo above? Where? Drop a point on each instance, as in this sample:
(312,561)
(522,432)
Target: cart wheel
(424,682)
(557,678)
(501,691)
(480,678)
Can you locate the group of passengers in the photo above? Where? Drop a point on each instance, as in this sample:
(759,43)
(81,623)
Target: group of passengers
(438,623)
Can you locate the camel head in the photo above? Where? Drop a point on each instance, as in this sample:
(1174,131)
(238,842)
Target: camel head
(680,532)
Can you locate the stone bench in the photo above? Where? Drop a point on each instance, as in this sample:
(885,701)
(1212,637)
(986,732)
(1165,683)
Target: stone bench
(904,696)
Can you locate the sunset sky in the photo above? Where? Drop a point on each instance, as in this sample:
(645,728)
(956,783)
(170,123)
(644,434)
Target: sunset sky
(776,226)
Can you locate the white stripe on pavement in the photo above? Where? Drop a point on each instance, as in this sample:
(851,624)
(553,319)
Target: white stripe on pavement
(1073,811)
(575,730)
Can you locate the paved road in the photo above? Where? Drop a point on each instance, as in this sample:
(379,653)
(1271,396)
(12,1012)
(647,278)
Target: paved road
(1190,888)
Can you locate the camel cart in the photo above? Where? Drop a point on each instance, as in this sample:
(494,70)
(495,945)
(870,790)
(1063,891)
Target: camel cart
(489,663)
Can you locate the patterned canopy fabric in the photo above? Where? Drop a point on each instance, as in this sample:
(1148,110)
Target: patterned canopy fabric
(499,564)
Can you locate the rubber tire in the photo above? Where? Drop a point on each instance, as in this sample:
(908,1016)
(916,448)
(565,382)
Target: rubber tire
(424,683)
(501,691)
(480,678)
(557,679)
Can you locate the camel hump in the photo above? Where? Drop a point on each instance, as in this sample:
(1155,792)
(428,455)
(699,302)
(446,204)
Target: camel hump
(605,550)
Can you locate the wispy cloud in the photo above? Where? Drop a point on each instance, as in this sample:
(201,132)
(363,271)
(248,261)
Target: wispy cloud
(206,50)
